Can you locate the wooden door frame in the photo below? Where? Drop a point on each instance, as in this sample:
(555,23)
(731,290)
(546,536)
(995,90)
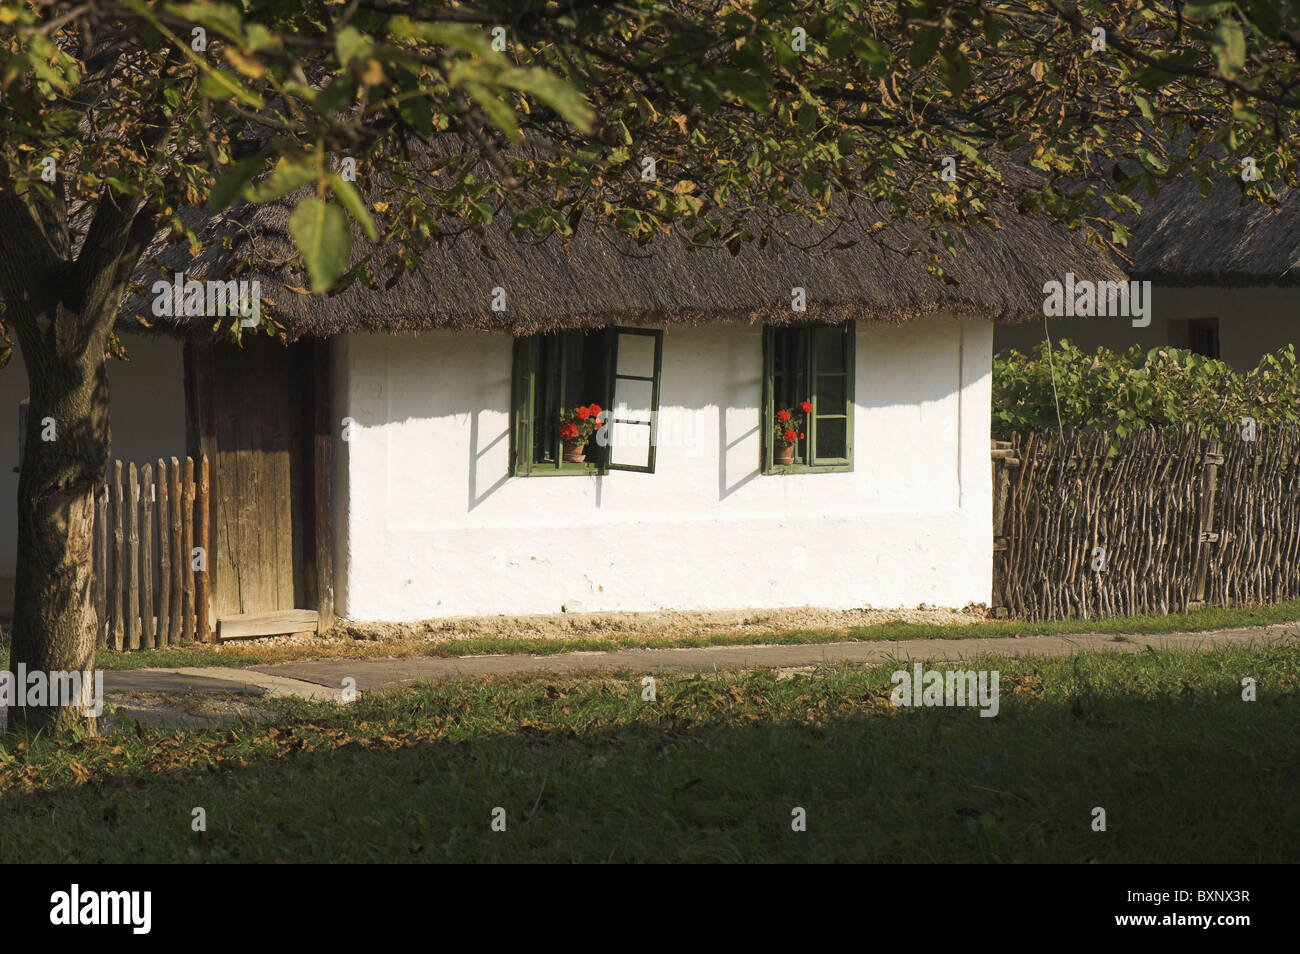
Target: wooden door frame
(202,396)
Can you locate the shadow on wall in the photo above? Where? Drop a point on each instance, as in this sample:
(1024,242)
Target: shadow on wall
(479,456)
(907,383)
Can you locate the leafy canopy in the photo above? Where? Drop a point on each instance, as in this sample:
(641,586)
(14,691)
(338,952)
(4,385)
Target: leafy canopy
(750,109)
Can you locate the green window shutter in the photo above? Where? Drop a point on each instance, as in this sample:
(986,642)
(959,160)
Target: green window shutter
(850,384)
(634,369)
(769,343)
(522,391)
(830,428)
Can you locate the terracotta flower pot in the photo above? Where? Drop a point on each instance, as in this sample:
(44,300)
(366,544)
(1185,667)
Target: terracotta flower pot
(783,454)
(573,453)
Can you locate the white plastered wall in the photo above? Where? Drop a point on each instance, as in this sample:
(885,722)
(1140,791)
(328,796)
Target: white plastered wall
(429,523)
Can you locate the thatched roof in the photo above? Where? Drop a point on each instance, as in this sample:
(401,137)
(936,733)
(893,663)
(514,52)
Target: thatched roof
(1182,238)
(601,278)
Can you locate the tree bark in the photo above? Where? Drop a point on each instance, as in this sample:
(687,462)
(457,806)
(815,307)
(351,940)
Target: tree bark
(62,301)
(64,458)
(62,310)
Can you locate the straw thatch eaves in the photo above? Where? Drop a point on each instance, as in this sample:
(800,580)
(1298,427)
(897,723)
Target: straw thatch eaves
(602,279)
(1182,238)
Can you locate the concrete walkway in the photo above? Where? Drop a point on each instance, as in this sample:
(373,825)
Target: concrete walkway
(324,679)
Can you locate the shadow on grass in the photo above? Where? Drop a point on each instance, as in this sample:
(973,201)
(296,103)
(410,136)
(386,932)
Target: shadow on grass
(1183,776)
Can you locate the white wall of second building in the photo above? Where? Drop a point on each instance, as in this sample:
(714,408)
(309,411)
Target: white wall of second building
(1252,323)
(429,522)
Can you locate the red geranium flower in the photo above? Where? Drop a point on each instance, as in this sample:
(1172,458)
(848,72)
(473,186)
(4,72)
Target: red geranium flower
(583,413)
(595,410)
(783,416)
(801,436)
(568,432)
(806,407)
(790,436)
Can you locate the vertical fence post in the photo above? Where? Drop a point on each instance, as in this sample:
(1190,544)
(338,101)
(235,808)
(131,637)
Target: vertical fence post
(187,553)
(164,555)
(115,597)
(179,559)
(132,558)
(130,613)
(100,560)
(1004,458)
(1207,536)
(201,541)
(147,640)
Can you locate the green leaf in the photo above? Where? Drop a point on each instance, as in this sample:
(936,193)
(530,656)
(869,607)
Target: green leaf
(749,88)
(351,44)
(225,18)
(924,47)
(350,196)
(1229,45)
(1152,77)
(340,91)
(460,36)
(839,42)
(289,174)
(956,69)
(221,85)
(1205,9)
(235,178)
(498,111)
(320,231)
(554,91)
(992,28)
(258,37)
(873,54)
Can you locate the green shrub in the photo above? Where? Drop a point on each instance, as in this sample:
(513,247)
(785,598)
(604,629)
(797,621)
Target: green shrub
(1126,392)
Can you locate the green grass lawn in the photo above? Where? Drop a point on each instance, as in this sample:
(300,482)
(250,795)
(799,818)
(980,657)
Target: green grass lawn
(710,771)
(252,654)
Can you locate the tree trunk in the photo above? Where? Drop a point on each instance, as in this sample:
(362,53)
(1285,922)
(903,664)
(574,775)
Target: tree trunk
(65,454)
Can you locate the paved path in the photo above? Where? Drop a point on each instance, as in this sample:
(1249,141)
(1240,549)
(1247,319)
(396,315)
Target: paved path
(324,679)
(212,679)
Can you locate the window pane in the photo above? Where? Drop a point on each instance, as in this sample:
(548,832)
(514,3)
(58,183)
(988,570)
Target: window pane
(831,435)
(584,368)
(631,445)
(830,349)
(632,399)
(546,400)
(636,355)
(831,393)
(570,372)
(789,367)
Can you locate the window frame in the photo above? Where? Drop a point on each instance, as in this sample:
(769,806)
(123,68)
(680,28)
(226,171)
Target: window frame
(806,462)
(611,393)
(526,362)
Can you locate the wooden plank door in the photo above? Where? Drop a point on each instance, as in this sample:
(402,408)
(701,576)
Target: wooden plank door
(260,420)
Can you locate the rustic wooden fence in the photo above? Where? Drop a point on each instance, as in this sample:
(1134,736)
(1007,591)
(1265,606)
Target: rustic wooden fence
(151,555)
(1166,520)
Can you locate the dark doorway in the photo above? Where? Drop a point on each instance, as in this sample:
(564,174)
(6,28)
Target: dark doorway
(252,410)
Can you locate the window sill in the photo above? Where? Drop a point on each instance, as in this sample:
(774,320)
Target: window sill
(777,469)
(564,470)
